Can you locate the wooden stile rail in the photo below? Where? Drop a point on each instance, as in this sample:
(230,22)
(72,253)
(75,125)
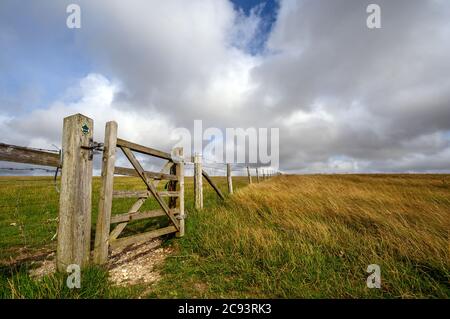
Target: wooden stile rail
(136,216)
(142,194)
(122,242)
(26,155)
(213,185)
(151,175)
(143,149)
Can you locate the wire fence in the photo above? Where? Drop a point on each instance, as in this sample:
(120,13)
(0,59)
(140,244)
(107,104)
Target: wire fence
(29,203)
(28,215)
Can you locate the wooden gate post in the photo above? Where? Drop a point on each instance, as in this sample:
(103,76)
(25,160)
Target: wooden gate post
(198,182)
(257,175)
(74,228)
(180,174)
(229,179)
(249,175)
(106,195)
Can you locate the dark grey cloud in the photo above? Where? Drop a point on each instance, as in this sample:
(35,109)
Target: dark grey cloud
(383,90)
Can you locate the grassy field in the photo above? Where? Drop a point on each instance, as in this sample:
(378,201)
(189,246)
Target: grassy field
(288,237)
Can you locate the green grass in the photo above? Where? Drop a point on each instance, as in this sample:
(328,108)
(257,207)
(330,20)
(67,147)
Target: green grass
(29,208)
(28,211)
(289,237)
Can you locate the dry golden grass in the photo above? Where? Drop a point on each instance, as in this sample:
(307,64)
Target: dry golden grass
(314,236)
(409,216)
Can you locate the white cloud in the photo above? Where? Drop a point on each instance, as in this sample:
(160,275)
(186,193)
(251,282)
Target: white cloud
(96,95)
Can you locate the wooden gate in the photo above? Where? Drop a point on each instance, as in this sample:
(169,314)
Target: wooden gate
(173,171)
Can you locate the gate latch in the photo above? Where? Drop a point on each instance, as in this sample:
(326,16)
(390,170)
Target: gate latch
(93,147)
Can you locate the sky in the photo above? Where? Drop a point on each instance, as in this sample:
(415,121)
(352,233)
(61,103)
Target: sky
(346,98)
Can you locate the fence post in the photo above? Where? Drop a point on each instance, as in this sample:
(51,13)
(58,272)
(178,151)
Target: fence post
(74,228)
(249,175)
(257,175)
(106,195)
(229,179)
(198,181)
(180,174)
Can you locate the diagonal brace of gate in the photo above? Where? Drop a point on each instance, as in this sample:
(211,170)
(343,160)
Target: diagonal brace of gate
(136,206)
(140,170)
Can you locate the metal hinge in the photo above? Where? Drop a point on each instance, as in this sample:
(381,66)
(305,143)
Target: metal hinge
(179,217)
(93,147)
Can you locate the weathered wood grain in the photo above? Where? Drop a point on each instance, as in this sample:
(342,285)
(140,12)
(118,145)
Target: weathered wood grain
(145,194)
(229,179)
(198,182)
(143,149)
(180,174)
(137,205)
(139,215)
(74,229)
(149,184)
(120,227)
(126,241)
(20,154)
(106,195)
(148,174)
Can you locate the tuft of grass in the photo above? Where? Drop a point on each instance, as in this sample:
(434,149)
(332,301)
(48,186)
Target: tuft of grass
(19,285)
(314,236)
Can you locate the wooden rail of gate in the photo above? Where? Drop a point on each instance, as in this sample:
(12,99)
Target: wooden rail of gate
(173,171)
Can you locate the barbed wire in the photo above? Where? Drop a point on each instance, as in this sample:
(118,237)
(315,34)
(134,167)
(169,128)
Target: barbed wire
(45,149)
(27,169)
(47,170)
(215,168)
(32,205)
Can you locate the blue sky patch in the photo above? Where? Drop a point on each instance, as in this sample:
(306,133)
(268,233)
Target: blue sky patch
(268,13)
